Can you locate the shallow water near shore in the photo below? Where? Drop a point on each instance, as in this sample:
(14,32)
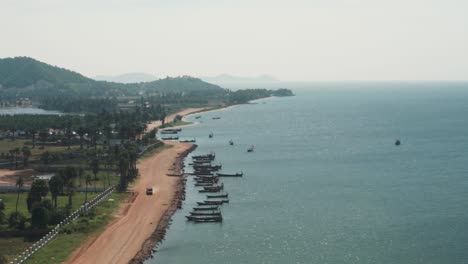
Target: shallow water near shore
(326,184)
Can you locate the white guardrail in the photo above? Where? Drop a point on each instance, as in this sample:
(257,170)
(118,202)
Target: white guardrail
(54,232)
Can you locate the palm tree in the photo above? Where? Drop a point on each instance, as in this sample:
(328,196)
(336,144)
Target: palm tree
(16,151)
(68,175)
(33,132)
(81,132)
(56,187)
(26,154)
(19,184)
(87,181)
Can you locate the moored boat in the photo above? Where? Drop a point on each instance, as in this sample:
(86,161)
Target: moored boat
(204,214)
(217,196)
(238,174)
(213,202)
(209,208)
(200,219)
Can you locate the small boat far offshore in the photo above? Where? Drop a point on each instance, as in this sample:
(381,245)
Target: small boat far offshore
(397,142)
(231,142)
(210,135)
(251,149)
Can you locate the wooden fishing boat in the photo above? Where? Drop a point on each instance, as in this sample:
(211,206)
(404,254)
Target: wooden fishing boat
(207,179)
(204,184)
(216,117)
(212,181)
(209,190)
(203,173)
(204,163)
(214,219)
(207,156)
(168,132)
(231,142)
(197,117)
(207,167)
(217,196)
(209,208)
(170,138)
(251,149)
(204,214)
(173,129)
(210,135)
(213,202)
(188,141)
(205,218)
(238,174)
(219,187)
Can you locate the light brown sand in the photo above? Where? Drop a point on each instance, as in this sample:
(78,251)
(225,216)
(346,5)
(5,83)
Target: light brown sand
(170,118)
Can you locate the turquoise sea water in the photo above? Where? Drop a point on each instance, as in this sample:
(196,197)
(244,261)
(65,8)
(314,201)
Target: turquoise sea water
(326,183)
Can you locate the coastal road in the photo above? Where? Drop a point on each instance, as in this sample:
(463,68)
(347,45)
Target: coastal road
(122,239)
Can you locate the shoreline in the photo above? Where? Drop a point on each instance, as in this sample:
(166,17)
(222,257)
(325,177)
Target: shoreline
(149,246)
(132,235)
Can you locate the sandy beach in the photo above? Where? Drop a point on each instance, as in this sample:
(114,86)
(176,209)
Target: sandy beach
(123,239)
(171,117)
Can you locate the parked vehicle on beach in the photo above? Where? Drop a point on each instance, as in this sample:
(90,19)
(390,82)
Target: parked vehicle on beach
(149,191)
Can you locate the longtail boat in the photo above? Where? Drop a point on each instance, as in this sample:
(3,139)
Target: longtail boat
(188,141)
(205,219)
(217,196)
(170,138)
(219,187)
(168,132)
(238,174)
(204,184)
(207,156)
(173,129)
(213,202)
(210,208)
(204,214)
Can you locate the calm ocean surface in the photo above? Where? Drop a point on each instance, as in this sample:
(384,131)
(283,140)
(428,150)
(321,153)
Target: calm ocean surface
(326,183)
(28,111)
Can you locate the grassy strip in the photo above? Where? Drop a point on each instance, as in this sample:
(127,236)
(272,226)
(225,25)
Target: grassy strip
(175,123)
(10,201)
(154,151)
(73,235)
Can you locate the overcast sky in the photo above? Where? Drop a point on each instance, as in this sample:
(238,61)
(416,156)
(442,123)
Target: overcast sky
(291,40)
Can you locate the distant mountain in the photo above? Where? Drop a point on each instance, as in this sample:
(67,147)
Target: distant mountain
(132,77)
(226,79)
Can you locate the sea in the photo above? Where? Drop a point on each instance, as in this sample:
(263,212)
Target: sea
(27,111)
(326,182)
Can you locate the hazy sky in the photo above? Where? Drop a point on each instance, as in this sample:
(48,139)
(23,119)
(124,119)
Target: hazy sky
(291,40)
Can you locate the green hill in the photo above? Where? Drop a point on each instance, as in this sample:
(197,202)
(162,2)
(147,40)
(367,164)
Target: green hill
(21,72)
(26,77)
